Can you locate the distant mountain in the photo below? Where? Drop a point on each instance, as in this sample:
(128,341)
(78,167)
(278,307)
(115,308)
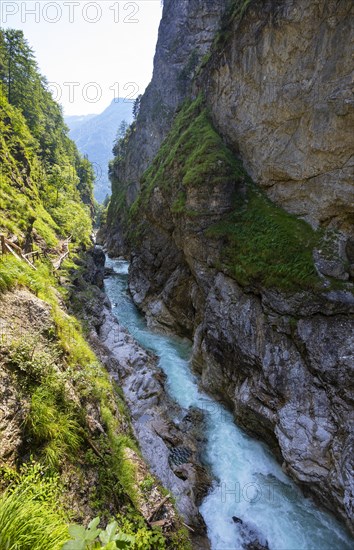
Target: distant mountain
(94,136)
(74,121)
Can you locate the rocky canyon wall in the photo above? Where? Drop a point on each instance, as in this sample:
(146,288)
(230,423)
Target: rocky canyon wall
(280,88)
(186,32)
(267,297)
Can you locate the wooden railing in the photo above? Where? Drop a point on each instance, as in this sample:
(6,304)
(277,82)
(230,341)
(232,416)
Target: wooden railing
(65,254)
(8,247)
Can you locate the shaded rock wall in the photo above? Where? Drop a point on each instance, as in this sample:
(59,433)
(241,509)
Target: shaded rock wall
(283,363)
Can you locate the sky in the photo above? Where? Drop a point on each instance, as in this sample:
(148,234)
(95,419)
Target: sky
(91,52)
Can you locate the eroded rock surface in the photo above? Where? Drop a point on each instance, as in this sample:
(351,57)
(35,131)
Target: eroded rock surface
(170,438)
(279,88)
(283,364)
(281,93)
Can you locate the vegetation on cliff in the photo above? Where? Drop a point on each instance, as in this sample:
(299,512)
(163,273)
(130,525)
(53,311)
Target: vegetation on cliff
(46,186)
(66,441)
(261,243)
(264,245)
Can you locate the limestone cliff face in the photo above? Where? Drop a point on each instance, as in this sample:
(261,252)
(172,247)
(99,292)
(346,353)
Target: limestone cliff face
(281,92)
(281,356)
(185,35)
(282,362)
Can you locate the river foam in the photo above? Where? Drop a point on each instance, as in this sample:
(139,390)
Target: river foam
(249,485)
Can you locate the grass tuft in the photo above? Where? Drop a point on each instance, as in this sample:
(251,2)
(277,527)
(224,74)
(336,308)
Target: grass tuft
(52,427)
(31,517)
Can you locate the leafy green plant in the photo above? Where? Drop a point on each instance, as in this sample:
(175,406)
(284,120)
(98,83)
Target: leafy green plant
(31,516)
(144,538)
(147,484)
(112,538)
(93,537)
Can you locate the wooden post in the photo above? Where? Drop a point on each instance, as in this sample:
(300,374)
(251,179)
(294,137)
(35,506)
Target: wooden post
(3,247)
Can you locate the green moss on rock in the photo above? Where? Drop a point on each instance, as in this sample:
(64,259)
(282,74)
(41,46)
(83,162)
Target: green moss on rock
(264,245)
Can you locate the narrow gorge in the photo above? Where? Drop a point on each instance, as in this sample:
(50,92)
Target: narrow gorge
(233,198)
(176,363)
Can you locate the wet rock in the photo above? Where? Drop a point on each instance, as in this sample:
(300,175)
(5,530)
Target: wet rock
(95,270)
(171,453)
(179,455)
(253,540)
(108,272)
(296,387)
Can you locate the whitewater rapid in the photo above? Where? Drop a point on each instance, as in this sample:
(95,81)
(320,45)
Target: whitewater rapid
(248,482)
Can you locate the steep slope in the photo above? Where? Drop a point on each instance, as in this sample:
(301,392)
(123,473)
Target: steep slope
(186,32)
(38,199)
(94,137)
(46,186)
(67,449)
(266,296)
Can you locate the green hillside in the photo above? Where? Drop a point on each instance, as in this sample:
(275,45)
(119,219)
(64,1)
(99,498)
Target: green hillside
(46,186)
(67,450)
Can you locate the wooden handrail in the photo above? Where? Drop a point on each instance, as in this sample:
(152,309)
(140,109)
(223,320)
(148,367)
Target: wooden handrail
(60,260)
(9,249)
(8,246)
(3,247)
(34,253)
